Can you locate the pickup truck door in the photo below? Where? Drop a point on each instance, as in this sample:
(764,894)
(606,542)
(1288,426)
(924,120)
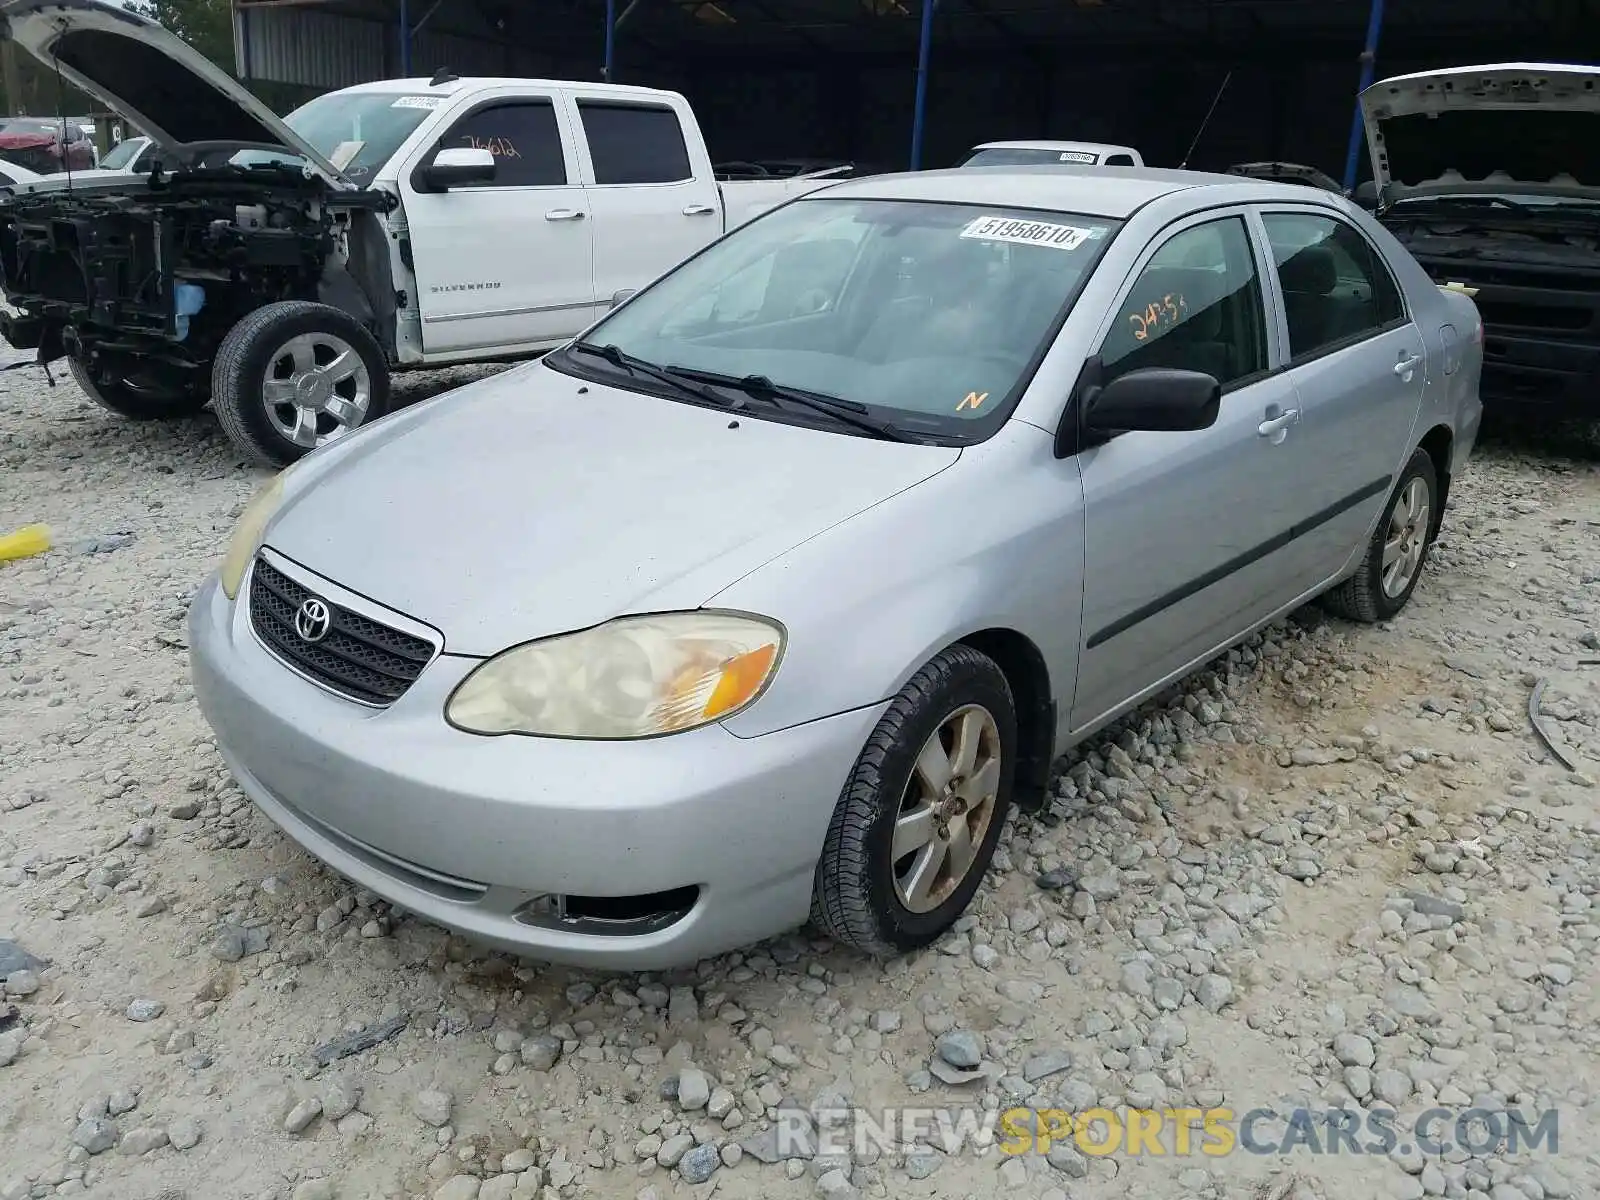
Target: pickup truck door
(650,185)
(510,262)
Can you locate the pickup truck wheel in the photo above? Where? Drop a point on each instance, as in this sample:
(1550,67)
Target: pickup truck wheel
(295,375)
(916,826)
(137,399)
(1393,563)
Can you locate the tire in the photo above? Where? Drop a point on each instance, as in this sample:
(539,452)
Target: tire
(293,376)
(858,897)
(1365,597)
(137,400)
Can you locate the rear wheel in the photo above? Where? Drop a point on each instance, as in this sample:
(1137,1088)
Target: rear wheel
(140,396)
(295,375)
(1393,563)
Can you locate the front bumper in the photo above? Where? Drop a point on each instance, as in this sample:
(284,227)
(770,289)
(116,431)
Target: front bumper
(466,831)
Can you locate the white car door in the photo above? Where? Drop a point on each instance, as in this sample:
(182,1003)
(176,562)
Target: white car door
(510,262)
(653,205)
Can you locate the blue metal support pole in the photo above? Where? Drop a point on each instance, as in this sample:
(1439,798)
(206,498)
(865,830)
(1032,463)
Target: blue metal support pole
(611,36)
(918,112)
(1369,58)
(405,39)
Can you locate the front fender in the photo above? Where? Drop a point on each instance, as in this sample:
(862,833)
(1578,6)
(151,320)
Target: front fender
(994,542)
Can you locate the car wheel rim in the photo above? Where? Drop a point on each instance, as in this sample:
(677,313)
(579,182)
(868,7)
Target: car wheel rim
(1407,536)
(317,388)
(945,812)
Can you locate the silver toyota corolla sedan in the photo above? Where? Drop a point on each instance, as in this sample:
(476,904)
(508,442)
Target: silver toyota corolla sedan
(767,598)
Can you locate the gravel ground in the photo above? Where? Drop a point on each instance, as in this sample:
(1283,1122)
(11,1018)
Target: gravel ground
(1335,871)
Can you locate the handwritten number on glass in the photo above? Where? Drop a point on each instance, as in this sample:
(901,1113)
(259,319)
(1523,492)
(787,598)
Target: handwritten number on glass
(1158,316)
(500,147)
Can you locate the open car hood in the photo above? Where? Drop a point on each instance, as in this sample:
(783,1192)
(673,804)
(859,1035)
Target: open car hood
(152,78)
(1487,128)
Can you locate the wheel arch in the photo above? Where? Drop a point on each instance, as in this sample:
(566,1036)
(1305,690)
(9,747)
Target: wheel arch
(1025,669)
(1438,443)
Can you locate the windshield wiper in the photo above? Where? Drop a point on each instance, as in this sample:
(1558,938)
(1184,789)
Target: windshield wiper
(634,365)
(846,412)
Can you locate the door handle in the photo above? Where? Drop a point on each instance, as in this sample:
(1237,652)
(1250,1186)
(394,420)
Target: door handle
(698,210)
(1277,428)
(1406,365)
(563,214)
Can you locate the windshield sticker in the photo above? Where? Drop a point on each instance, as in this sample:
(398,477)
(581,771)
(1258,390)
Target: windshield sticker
(428,102)
(1031,233)
(974,401)
(343,153)
(1078,156)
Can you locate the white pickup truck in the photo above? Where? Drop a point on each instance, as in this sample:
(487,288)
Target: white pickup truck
(279,269)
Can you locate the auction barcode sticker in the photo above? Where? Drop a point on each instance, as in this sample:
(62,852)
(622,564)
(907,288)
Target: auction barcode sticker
(1031,233)
(429,102)
(1078,156)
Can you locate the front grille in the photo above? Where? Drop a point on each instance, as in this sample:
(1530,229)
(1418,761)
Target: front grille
(359,657)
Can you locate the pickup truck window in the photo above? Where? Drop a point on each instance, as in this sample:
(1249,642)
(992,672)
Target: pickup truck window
(930,315)
(635,143)
(1334,288)
(524,138)
(370,124)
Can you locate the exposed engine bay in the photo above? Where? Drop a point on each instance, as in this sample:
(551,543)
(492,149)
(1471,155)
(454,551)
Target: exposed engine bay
(151,274)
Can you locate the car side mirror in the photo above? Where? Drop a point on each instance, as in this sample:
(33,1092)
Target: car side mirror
(620,298)
(1366,195)
(458,166)
(1158,399)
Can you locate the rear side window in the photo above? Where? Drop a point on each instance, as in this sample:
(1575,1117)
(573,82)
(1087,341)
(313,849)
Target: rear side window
(1336,289)
(524,137)
(634,143)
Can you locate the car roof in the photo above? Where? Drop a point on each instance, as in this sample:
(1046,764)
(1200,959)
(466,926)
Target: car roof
(1115,192)
(1040,144)
(420,86)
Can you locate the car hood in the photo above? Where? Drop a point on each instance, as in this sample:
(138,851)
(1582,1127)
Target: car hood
(151,77)
(532,504)
(1498,125)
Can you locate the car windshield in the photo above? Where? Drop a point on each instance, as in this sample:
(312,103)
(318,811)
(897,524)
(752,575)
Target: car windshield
(929,315)
(1028,156)
(356,131)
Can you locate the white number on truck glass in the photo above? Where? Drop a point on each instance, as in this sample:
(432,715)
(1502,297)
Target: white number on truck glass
(524,139)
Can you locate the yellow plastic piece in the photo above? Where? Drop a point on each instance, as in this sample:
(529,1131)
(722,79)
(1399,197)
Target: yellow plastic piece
(25,542)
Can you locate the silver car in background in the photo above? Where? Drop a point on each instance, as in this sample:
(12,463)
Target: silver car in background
(768,598)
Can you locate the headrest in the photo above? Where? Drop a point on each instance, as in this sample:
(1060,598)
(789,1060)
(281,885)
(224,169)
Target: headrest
(1312,270)
(1191,289)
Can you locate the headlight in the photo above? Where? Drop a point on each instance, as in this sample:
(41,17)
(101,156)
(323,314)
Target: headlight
(247,535)
(634,677)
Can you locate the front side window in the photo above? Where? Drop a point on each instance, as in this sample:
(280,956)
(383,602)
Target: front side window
(1196,306)
(524,137)
(634,143)
(928,315)
(1335,289)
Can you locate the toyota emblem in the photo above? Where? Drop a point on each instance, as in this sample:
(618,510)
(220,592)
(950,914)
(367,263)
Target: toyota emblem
(313,620)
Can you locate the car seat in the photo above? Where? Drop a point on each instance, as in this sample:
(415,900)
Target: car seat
(1309,276)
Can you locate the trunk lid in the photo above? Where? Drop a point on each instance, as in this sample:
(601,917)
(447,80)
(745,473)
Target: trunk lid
(1486,129)
(151,77)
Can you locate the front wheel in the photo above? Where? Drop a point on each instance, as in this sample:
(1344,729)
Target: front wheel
(1393,562)
(140,396)
(295,375)
(916,826)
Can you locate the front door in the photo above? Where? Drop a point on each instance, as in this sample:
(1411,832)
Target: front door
(1185,530)
(508,263)
(1358,364)
(651,209)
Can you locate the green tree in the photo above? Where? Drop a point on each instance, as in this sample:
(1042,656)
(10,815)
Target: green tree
(207,25)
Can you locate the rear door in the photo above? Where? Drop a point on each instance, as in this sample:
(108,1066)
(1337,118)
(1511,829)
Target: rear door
(650,187)
(510,262)
(1359,366)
